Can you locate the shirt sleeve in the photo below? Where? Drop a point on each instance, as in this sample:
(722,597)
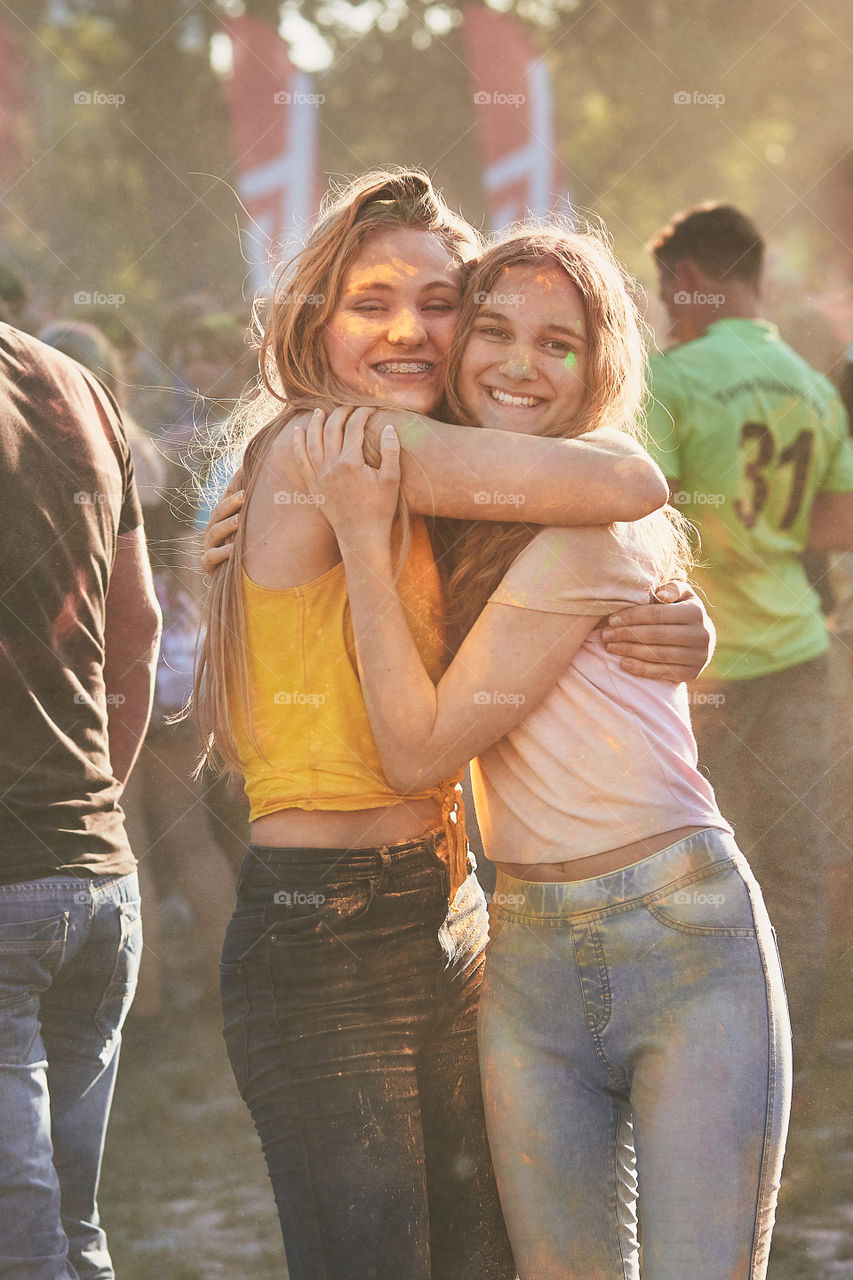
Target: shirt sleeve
(839,474)
(130,516)
(583,571)
(664,416)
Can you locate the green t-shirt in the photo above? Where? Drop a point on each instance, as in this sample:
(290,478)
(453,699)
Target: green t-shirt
(751,433)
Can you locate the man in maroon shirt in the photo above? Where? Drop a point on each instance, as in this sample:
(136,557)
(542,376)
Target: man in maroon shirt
(79,627)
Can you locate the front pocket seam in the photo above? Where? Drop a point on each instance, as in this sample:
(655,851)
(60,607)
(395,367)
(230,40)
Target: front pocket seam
(699,930)
(273,923)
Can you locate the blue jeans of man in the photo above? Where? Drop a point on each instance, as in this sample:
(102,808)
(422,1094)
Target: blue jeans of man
(69,955)
(636,1058)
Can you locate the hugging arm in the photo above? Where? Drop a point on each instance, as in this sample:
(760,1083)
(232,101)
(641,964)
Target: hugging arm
(470,473)
(667,641)
(583,481)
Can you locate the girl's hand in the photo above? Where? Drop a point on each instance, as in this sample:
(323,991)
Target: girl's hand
(670,641)
(222,525)
(358,501)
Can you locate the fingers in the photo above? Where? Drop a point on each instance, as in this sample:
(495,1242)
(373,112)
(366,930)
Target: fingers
(308,447)
(679,637)
(353,437)
(333,431)
(313,436)
(673,674)
(216,556)
(687,612)
(221,532)
(652,654)
(669,592)
(220,524)
(389,463)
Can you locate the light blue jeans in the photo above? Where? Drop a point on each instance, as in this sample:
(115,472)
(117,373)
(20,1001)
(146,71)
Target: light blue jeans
(69,955)
(636,1059)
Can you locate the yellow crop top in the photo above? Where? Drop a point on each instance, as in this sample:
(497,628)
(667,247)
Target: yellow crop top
(316,747)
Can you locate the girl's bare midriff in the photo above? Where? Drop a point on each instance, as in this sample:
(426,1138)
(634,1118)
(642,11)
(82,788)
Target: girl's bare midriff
(354,829)
(597,864)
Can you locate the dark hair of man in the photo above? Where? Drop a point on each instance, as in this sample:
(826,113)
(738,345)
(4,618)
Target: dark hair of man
(720,239)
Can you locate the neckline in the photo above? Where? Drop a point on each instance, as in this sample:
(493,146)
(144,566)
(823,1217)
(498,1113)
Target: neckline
(300,586)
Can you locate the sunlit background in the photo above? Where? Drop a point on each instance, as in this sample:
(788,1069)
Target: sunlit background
(143,158)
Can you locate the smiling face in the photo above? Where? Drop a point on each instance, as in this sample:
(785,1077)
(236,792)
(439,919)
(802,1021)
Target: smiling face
(524,364)
(389,335)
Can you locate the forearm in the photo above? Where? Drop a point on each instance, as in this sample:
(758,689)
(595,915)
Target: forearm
(401,698)
(130,693)
(472,473)
(131,638)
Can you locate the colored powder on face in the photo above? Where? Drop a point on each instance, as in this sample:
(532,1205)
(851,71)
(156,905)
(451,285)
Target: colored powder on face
(570,360)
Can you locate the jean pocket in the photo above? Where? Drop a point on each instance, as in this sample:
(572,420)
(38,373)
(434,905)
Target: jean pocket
(313,910)
(714,904)
(31,952)
(118,994)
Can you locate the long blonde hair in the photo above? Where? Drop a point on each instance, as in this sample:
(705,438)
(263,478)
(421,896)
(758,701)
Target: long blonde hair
(478,557)
(295,374)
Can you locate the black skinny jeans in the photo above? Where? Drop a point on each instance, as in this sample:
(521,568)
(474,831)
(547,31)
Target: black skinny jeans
(350,999)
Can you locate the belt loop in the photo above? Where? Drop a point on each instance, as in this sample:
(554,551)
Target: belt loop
(386,862)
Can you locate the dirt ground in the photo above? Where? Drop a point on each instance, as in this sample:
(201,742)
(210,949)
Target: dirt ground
(185,1194)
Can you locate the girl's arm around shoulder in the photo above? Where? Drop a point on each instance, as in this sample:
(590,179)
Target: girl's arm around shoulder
(474,473)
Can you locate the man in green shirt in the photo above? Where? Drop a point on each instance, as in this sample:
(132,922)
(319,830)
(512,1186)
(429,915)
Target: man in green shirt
(754,444)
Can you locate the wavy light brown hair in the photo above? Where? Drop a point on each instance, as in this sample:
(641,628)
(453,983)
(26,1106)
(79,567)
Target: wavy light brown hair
(613,396)
(295,374)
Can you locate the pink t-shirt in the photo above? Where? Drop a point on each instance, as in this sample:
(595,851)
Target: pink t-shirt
(606,758)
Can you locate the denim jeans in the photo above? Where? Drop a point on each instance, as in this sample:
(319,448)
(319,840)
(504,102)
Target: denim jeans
(767,745)
(635,1049)
(350,999)
(69,954)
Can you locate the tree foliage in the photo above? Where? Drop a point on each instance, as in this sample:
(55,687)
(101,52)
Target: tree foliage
(134,199)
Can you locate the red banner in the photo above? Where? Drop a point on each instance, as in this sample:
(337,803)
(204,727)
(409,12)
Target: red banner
(274,128)
(14,105)
(522,175)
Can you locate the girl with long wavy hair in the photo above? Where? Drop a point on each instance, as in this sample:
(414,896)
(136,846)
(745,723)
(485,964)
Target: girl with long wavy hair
(634,1037)
(353,963)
